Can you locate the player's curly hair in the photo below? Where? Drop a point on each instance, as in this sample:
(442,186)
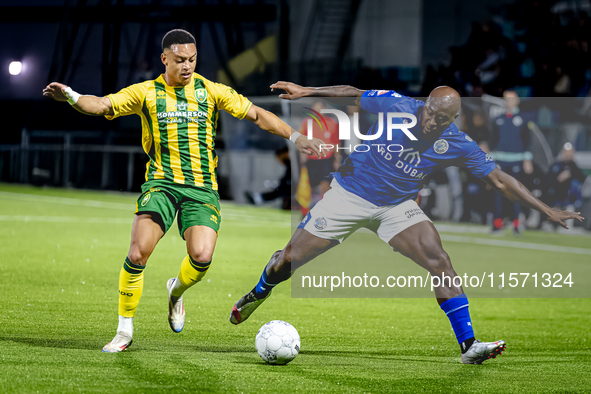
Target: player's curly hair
(177,37)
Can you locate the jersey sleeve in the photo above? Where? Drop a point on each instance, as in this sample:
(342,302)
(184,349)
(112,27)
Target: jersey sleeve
(376,101)
(127,101)
(230,101)
(477,162)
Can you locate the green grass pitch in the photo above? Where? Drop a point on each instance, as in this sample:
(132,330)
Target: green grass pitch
(60,255)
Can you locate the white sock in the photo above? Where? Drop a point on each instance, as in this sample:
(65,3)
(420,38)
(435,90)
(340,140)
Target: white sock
(177,289)
(125,324)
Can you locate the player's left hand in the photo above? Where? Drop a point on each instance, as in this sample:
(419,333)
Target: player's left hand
(310,147)
(559,217)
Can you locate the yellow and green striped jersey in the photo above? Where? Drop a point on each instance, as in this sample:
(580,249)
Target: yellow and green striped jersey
(179,126)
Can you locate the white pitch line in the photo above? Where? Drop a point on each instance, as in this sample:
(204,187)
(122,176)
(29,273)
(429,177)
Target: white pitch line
(110,205)
(512,244)
(65,201)
(63,219)
(98,220)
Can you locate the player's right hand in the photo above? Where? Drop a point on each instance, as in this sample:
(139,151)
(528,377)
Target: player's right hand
(294,91)
(559,217)
(55,90)
(310,147)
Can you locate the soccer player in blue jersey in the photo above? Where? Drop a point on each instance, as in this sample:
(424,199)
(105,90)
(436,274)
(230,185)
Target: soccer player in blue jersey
(376,189)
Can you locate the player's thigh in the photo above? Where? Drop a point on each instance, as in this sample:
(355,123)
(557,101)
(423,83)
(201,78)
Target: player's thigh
(155,211)
(199,222)
(422,244)
(304,247)
(159,204)
(201,242)
(338,215)
(145,234)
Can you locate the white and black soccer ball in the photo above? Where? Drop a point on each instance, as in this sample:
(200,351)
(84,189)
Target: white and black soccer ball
(277,342)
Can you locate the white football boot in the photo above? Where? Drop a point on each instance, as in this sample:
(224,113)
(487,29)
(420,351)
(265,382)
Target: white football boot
(121,342)
(176,312)
(245,306)
(482,351)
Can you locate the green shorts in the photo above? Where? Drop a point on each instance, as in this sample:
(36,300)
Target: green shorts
(196,206)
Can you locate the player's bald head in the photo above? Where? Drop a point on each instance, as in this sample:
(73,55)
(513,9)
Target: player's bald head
(441,109)
(445,99)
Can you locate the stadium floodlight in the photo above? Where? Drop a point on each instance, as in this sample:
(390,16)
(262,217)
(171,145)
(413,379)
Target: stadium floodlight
(15,68)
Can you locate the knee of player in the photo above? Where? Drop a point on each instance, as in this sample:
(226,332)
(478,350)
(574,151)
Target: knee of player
(201,255)
(136,256)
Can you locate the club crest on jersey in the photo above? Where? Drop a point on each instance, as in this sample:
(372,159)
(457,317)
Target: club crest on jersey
(146,199)
(201,95)
(440,146)
(320,223)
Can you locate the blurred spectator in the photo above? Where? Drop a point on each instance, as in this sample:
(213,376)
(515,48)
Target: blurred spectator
(477,197)
(475,126)
(510,148)
(283,191)
(565,181)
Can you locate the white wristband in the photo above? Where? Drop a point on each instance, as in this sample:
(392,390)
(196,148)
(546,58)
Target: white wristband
(294,136)
(71,95)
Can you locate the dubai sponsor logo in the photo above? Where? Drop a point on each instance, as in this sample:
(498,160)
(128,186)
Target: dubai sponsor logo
(441,146)
(201,95)
(320,223)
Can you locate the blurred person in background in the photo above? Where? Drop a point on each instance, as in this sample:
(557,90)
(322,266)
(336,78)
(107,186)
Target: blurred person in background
(478,197)
(565,182)
(282,191)
(509,144)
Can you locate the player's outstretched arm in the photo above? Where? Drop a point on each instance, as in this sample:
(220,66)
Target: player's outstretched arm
(294,92)
(514,190)
(86,104)
(271,123)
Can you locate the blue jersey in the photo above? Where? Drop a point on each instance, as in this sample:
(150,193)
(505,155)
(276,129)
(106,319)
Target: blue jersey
(389,172)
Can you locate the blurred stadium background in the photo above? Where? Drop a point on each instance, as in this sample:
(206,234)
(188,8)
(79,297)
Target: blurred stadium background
(537,48)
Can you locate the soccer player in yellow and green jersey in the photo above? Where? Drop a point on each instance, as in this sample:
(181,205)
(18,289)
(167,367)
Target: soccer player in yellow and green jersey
(179,113)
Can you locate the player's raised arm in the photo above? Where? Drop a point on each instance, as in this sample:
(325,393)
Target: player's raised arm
(294,92)
(514,190)
(86,104)
(270,122)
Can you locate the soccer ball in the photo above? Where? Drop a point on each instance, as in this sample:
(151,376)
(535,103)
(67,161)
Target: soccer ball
(277,342)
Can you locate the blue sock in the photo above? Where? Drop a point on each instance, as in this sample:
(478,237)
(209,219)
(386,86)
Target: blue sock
(456,310)
(263,288)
